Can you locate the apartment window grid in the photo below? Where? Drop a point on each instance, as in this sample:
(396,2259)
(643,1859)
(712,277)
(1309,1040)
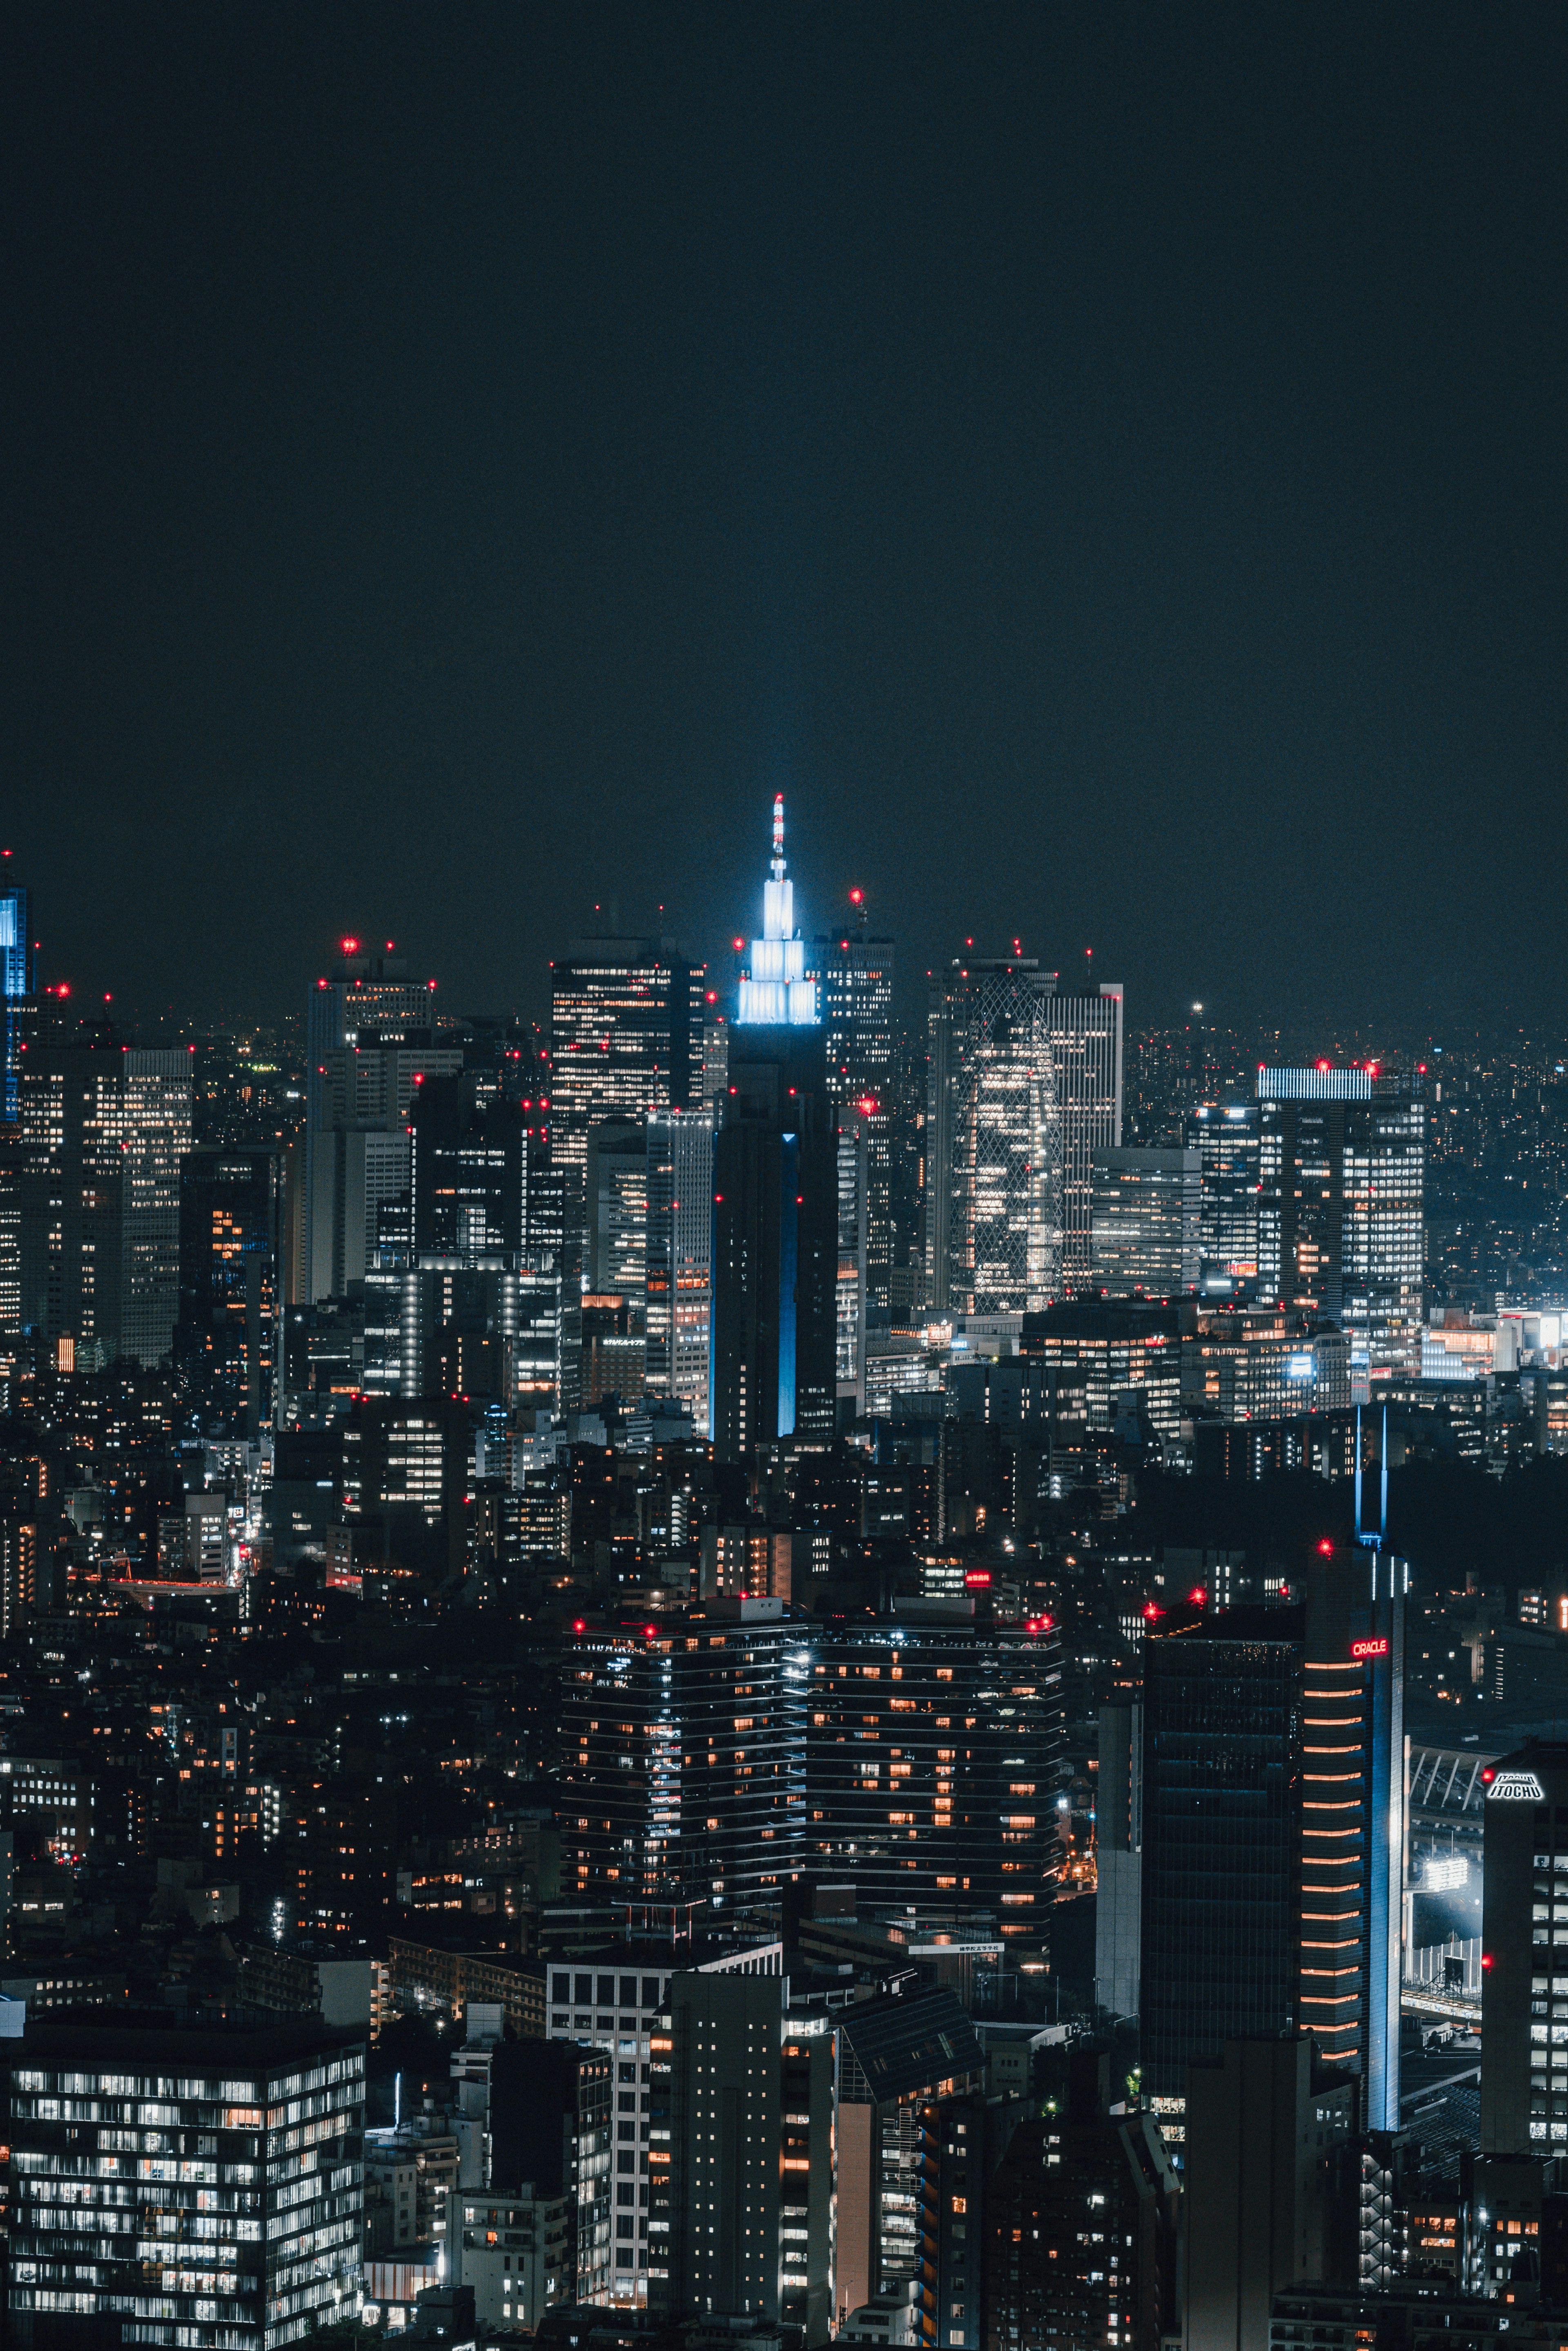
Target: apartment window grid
(221,2212)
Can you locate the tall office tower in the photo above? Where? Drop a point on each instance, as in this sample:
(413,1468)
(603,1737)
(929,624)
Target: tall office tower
(1070,2187)
(1086,1032)
(365,1001)
(614,1256)
(370,1041)
(100,1132)
(1524,1954)
(993,1141)
(95,2235)
(16,984)
(225,1339)
(1143,1218)
(685,1764)
(469,1168)
(931,1764)
(740,2196)
(1342,1162)
(1267,2128)
(679,1294)
(1225,1136)
(856,975)
(1118,1859)
(1273,1824)
(776,1200)
(625,1035)
(850,1287)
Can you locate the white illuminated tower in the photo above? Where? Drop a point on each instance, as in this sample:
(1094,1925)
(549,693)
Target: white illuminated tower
(777,992)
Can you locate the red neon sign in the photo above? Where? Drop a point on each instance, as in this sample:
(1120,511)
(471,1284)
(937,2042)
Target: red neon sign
(976,1579)
(1379,1648)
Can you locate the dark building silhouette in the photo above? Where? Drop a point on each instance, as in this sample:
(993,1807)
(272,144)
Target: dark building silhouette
(1080,2228)
(225,1340)
(776,1244)
(1273,1827)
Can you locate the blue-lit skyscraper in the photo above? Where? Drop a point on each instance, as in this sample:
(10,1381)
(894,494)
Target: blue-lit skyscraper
(15,968)
(775,1198)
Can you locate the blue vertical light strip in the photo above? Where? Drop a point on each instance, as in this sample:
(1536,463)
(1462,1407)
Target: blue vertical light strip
(1386,1840)
(789,1255)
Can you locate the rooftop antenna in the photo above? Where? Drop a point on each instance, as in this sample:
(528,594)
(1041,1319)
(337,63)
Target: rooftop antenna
(778,836)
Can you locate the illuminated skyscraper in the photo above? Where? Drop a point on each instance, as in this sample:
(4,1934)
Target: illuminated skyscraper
(16,984)
(1342,1168)
(626,1031)
(1524,1927)
(1085,1033)
(857,1006)
(1225,1136)
(994,1163)
(1144,1222)
(776,989)
(775,1199)
(680,1289)
(101,1133)
(93,2234)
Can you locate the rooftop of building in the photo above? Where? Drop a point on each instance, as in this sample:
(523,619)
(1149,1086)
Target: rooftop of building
(157,2040)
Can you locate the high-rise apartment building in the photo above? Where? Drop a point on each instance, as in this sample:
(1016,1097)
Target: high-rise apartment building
(678,1292)
(685,1759)
(218,2196)
(775,1199)
(994,1142)
(101,1129)
(1225,1135)
(227,1334)
(1273,1822)
(741,2155)
(1342,1162)
(1524,1954)
(1144,1217)
(932,1760)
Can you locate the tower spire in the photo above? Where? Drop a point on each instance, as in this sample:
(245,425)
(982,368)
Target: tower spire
(778,836)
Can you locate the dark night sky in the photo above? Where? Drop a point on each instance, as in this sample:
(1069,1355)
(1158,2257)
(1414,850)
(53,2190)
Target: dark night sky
(1105,463)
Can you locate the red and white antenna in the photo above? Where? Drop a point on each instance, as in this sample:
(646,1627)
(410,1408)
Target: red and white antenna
(778,828)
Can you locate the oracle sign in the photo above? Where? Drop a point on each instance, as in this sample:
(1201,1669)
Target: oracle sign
(1375,1648)
(1516,1788)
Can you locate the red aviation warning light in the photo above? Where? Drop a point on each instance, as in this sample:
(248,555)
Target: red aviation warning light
(857,897)
(1198,1597)
(1326,1548)
(349,946)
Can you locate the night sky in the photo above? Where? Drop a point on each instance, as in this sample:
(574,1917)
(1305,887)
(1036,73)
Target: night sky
(1105,464)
